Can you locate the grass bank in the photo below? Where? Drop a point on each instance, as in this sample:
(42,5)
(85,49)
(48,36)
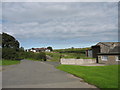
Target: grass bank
(75,55)
(56,56)
(101,76)
(9,62)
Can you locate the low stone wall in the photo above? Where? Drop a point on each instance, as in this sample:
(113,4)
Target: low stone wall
(77,61)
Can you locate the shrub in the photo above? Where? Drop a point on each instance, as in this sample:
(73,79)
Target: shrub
(9,53)
(39,56)
(77,57)
(31,55)
(13,54)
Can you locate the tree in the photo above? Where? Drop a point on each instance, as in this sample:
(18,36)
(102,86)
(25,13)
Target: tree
(10,47)
(72,47)
(9,41)
(0,40)
(50,48)
(21,49)
(9,54)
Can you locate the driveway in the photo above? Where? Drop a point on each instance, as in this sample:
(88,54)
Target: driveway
(36,74)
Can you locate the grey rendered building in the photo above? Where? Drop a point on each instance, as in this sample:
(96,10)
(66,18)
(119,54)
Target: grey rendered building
(106,52)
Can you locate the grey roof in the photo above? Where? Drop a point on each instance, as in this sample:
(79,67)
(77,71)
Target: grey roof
(116,49)
(108,54)
(109,44)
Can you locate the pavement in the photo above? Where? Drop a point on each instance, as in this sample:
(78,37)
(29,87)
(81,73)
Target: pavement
(36,74)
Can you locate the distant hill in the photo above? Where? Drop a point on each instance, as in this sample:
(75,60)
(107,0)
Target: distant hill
(72,50)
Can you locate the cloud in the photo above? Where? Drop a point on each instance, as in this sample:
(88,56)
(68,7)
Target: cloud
(61,21)
(60,1)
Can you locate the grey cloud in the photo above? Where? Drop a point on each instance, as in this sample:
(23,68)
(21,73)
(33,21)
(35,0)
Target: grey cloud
(61,20)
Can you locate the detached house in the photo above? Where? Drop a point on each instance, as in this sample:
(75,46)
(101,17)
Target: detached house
(105,52)
(39,50)
(112,57)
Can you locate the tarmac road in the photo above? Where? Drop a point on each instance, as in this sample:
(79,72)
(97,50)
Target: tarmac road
(36,74)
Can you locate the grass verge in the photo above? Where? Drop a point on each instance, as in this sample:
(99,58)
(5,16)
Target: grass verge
(100,76)
(9,62)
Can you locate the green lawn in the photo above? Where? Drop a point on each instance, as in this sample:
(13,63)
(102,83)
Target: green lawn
(9,62)
(101,76)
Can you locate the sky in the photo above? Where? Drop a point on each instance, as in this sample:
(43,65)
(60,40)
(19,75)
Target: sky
(60,24)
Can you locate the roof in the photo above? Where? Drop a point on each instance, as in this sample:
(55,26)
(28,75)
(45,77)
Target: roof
(108,53)
(109,44)
(39,48)
(116,49)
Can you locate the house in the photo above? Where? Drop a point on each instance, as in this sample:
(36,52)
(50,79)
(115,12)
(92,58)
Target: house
(93,51)
(89,53)
(47,50)
(39,50)
(113,57)
(102,51)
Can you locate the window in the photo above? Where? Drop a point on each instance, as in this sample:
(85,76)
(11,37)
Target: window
(104,58)
(117,58)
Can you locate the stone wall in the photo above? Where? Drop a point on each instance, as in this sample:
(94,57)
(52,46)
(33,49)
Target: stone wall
(110,61)
(77,61)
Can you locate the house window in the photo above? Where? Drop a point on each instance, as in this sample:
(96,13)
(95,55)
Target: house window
(104,58)
(117,58)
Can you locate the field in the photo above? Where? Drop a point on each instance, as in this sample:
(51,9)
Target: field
(101,76)
(72,49)
(9,62)
(75,55)
(56,56)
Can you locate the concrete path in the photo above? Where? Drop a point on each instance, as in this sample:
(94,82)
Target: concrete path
(35,74)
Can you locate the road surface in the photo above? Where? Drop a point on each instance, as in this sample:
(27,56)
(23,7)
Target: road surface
(36,74)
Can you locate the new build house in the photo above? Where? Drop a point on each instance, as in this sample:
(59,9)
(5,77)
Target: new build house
(105,52)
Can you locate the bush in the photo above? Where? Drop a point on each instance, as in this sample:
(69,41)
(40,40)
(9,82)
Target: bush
(9,54)
(39,56)
(31,55)
(13,54)
(77,57)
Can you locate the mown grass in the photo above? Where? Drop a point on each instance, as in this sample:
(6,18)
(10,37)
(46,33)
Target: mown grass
(9,62)
(101,76)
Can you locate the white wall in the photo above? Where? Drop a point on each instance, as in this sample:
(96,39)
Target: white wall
(33,50)
(77,61)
